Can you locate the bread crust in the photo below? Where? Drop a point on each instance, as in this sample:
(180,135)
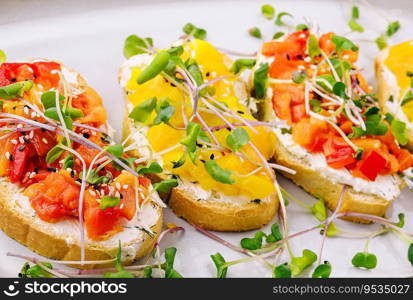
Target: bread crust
(23,229)
(384,90)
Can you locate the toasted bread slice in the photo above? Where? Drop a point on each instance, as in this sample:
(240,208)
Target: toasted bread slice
(388,88)
(213,213)
(318,184)
(61,240)
(211,210)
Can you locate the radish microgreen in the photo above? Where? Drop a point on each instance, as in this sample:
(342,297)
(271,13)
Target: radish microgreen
(322,270)
(219,262)
(108,201)
(282,271)
(166,185)
(353,24)
(364,260)
(196,32)
(255,32)
(280,16)
(241,64)
(15,90)
(299,264)
(268,11)
(218,173)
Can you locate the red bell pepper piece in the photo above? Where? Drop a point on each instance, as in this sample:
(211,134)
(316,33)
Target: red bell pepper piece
(372,165)
(19,162)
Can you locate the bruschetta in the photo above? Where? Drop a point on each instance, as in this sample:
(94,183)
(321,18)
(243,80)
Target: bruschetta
(335,134)
(67,191)
(190,116)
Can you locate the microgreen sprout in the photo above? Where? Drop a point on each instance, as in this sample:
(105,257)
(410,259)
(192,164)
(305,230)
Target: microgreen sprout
(280,16)
(255,32)
(191,30)
(268,11)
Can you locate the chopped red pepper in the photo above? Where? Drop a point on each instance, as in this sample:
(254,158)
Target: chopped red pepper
(19,161)
(372,165)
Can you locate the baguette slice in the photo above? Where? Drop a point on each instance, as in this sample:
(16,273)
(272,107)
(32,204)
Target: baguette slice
(388,87)
(317,184)
(215,211)
(61,240)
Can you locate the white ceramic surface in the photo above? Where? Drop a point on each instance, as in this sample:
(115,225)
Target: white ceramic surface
(88,36)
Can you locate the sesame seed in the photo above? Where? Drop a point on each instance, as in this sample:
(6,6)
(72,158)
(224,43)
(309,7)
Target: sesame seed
(33,114)
(32,174)
(117,195)
(13,141)
(302,36)
(122,206)
(21,140)
(214,74)
(301,67)
(45,141)
(19,125)
(31,134)
(102,192)
(117,185)
(8,155)
(346,56)
(125,186)
(313,67)
(26,110)
(307,59)
(92,192)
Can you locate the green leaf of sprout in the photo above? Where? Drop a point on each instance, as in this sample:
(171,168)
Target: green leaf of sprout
(392,28)
(301,27)
(219,262)
(326,81)
(121,273)
(48,99)
(164,112)
(153,168)
(253,243)
(399,130)
(158,64)
(142,111)
(108,201)
(343,43)
(147,272)
(2,56)
(355,13)
(115,149)
(381,42)
(275,234)
(364,260)
(299,264)
(313,47)
(299,77)
(241,64)
(282,271)
(401,220)
(315,105)
(170,272)
(192,134)
(35,271)
(322,271)
(238,138)
(268,11)
(255,32)
(135,45)
(355,26)
(196,32)
(410,253)
(278,20)
(180,162)
(407,98)
(68,162)
(166,185)
(277,35)
(260,81)
(339,89)
(217,173)
(15,90)
(319,210)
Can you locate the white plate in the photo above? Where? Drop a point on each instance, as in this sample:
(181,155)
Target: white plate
(90,40)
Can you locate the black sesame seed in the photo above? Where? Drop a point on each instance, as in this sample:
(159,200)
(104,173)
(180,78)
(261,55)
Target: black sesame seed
(240,112)
(207,74)
(72,173)
(52,170)
(120,196)
(203,161)
(21,148)
(36,170)
(11,157)
(86,135)
(212,156)
(13,79)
